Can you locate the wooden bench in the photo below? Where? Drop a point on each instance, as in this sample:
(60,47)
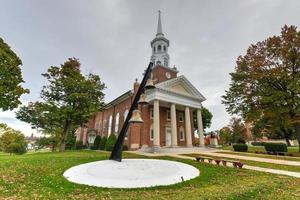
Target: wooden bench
(235,163)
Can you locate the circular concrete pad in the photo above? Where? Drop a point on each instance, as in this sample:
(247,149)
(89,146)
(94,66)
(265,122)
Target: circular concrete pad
(131,173)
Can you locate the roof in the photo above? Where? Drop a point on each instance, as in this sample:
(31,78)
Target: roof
(119,99)
(167,85)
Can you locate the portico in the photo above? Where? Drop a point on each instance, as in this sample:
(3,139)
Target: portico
(176,95)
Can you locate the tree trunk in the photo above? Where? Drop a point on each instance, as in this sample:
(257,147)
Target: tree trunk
(286,137)
(63,137)
(288,142)
(297,128)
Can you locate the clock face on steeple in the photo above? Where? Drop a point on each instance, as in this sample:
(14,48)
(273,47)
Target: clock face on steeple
(168,75)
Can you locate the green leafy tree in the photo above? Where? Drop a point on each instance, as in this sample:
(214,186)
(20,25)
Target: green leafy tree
(69,100)
(12,141)
(266,83)
(10,78)
(206,118)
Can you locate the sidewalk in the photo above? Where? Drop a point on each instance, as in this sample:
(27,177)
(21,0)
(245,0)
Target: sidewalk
(261,169)
(257,159)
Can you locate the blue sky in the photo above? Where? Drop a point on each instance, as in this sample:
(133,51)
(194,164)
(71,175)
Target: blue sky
(112,38)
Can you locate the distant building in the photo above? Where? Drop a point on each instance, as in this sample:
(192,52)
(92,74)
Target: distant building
(168,119)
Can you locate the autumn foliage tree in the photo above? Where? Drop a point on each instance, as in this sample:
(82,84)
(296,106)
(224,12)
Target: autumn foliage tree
(265,86)
(69,100)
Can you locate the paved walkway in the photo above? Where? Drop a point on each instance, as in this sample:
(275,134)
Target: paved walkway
(261,169)
(257,159)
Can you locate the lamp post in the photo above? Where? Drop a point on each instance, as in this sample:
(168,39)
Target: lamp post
(146,83)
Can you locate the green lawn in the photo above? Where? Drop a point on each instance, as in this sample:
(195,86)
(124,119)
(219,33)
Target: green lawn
(254,163)
(39,176)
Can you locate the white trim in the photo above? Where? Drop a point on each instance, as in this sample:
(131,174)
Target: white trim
(151,131)
(172,97)
(182,80)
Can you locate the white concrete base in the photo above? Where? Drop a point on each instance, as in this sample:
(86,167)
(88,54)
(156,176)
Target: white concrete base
(131,173)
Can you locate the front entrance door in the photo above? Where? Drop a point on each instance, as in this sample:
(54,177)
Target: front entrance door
(168,137)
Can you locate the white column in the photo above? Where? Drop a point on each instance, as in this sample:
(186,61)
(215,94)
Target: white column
(188,129)
(156,135)
(173,125)
(200,128)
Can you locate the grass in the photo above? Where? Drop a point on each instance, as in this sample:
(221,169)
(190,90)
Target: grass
(254,163)
(39,176)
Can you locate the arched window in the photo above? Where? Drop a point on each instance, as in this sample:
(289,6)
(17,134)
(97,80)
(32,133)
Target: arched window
(158,62)
(104,126)
(165,48)
(125,115)
(117,119)
(109,126)
(181,134)
(159,48)
(99,125)
(151,132)
(154,49)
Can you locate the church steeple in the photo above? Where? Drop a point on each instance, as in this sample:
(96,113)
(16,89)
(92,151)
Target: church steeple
(159,26)
(160,46)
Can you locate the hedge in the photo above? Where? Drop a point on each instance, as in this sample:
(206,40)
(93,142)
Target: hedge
(79,145)
(240,147)
(276,147)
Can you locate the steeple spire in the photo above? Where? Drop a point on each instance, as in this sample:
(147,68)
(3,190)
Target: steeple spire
(160,46)
(159,26)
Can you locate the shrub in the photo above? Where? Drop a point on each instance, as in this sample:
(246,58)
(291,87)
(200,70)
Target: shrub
(79,145)
(240,147)
(97,142)
(16,148)
(125,148)
(110,142)
(258,143)
(103,143)
(12,141)
(276,147)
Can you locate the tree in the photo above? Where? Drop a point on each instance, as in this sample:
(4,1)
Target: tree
(238,130)
(206,118)
(43,142)
(10,78)
(225,135)
(69,100)
(266,83)
(12,141)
